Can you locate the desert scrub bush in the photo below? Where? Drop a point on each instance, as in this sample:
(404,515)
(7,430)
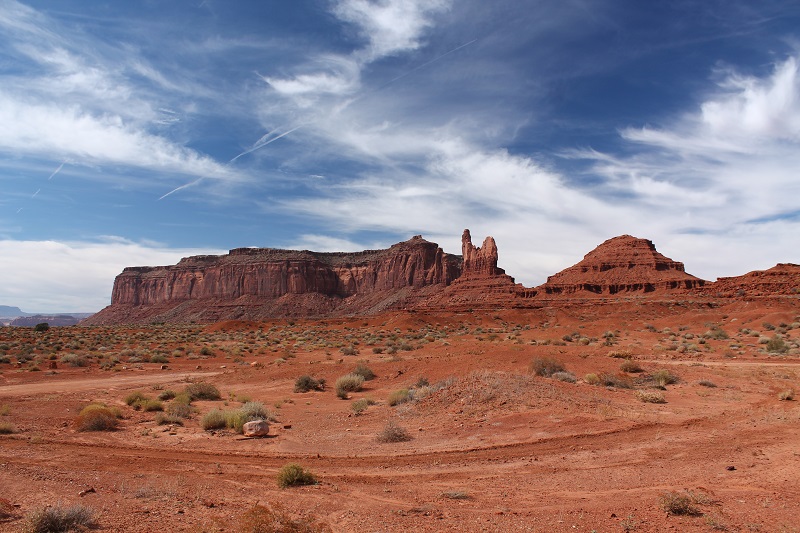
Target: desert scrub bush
(348,350)
(202,391)
(664,377)
(611,380)
(294,475)
(566,377)
(591,379)
(214,419)
(348,383)
(159,358)
(75,360)
(786,395)
(166,395)
(399,396)
(96,417)
(6,428)
(59,519)
(135,399)
(776,344)
(650,396)
(545,366)
(377,350)
(166,418)
(307,383)
(456,495)
(393,433)
(706,383)
(364,371)
(678,503)
(181,410)
(630,366)
(5,409)
(360,405)
(41,327)
(716,333)
(151,405)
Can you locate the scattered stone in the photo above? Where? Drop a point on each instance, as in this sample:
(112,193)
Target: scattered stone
(84,492)
(256,428)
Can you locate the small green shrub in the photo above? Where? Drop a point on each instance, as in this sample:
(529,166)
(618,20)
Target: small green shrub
(135,399)
(166,395)
(293,475)
(776,344)
(359,406)
(545,366)
(307,383)
(203,391)
(592,379)
(393,433)
(41,327)
(74,360)
(166,418)
(348,383)
(151,405)
(180,410)
(214,419)
(399,396)
(59,519)
(364,371)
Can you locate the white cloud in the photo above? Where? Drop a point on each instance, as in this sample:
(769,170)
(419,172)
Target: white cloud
(390,26)
(50,276)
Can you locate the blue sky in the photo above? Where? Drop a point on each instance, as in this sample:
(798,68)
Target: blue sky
(139,132)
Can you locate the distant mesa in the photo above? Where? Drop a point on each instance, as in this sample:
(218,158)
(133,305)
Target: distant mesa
(623,264)
(52,320)
(783,278)
(261,283)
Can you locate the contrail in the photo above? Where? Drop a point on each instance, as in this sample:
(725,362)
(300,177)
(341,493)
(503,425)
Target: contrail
(37,192)
(18,210)
(195,182)
(435,59)
(56,171)
(260,144)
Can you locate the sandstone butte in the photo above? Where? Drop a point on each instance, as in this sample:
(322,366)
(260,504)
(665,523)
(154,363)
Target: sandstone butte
(260,283)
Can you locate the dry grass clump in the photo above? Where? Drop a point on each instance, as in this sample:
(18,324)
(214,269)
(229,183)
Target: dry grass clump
(307,383)
(348,383)
(707,383)
(679,503)
(567,377)
(592,379)
(664,377)
(237,418)
(611,380)
(261,519)
(456,495)
(74,360)
(399,396)
(59,519)
(294,475)
(630,366)
(650,396)
(393,433)
(364,371)
(359,406)
(96,417)
(545,366)
(786,395)
(6,428)
(202,391)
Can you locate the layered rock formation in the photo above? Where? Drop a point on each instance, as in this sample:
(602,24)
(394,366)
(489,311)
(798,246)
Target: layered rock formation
(623,264)
(782,279)
(262,282)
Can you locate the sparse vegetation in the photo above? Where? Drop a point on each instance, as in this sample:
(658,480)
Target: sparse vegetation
(650,396)
(261,519)
(776,344)
(392,432)
(786,395)
(664,377)
(630,366)
(307,383)
(293,475)
(96,417)
(592,379)
(59,519)
(545,366)
(359,406)
(348,383)
(706,383)
(567,377)
(6,428)
(364,371)
(678,503)
(41,327)
(202,391)
(399,396)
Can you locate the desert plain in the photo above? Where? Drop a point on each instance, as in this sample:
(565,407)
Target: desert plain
(659,401)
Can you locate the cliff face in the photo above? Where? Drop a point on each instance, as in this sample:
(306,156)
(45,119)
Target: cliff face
(623,264)
(270,273)
(782,279)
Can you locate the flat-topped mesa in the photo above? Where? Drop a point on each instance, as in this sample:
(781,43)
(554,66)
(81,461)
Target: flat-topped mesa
(623,264)
(266,282)
(781,280)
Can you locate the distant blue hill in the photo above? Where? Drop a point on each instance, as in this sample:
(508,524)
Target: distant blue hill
(11,312)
